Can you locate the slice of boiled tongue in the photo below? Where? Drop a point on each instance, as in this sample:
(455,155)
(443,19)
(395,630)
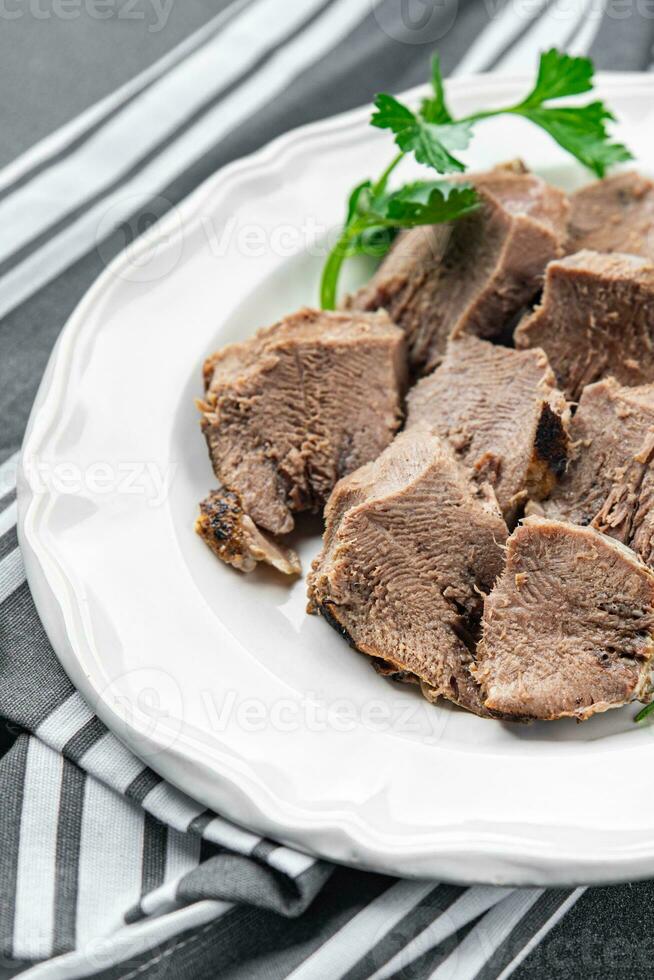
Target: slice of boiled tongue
(411,546)
(596,319)
(614,215)
(299,405)
(474,275)
(568,630)
(609,482)
(288,413)
(502,414)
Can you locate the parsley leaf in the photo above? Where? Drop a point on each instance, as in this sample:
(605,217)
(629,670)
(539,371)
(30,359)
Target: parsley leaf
(582,132)
(430,203)
(428,141)
(431,145)
(560,75)
(435,110)
(392,114)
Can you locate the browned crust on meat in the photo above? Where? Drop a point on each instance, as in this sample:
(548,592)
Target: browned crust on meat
(550,456)
(235,539)
(219,524)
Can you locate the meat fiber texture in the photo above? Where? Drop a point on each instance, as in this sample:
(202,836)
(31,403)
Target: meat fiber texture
(569,628)
(614,215)
(303,403)
(596,319)
(411,545)
(610,478)
(503,415)
(474,275)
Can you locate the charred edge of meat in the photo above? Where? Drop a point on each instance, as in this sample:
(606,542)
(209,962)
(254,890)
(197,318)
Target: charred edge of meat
(220,525)
(463,625)
(234,537)
(220,517)
(386,668)
(393,673)
(550,458)
(329,617)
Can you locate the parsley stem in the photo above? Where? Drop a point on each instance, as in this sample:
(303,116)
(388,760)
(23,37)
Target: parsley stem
(380,186)
(332,270)
(491,113)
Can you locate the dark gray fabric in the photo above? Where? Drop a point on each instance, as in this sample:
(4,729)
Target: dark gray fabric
(8,543)
(55,67)
(369,61)
(84,739)
(12,773)
(225,875)
(625,40)
(249,880)
(545,906)
(607,934)
(67,857)
(254,944)
(151,215)
(31,678)
(429,960)
(153,868)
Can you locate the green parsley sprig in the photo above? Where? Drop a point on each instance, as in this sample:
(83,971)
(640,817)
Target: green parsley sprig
(644,712)
(434,137)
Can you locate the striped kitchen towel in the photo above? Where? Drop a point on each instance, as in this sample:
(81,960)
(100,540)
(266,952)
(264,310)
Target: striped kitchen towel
(106,870)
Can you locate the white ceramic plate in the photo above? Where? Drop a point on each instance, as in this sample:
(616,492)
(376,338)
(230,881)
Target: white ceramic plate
(221,681)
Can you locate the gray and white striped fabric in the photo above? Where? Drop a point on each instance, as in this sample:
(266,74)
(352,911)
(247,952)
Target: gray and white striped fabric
(105,870)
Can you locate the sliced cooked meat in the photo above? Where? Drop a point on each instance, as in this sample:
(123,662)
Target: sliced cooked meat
(569,627)
(303,403)
(502,414)
(628,512)
(610,478)
(236,539)
(474,275)
(411,543)
(614,215)
(596,318)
